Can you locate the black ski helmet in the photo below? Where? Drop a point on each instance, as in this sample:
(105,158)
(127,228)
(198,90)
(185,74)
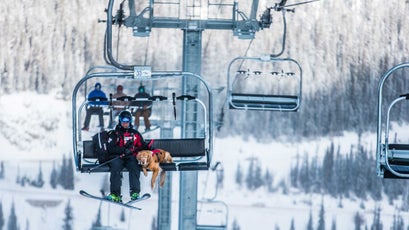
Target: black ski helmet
(125,116)
(141,89)
(98,85)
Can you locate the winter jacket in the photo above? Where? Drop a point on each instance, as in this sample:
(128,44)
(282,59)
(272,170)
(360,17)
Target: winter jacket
(143,104)
(121,139)
(97,93)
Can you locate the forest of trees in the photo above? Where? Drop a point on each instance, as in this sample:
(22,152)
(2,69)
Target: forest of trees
(62,175)
(341,66)
(344,47)
(339,175)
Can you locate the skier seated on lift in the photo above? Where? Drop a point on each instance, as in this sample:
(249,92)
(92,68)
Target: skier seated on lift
(94,106)
(144,108)
(124,143)
(119,93)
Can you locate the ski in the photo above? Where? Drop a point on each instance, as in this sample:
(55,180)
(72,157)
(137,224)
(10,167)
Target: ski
(126,205)
(143,197)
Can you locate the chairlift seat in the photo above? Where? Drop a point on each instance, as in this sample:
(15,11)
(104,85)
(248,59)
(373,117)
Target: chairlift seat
(178,148)
(287,102)
(211,227)
(398,160)
(399,153)
(404,169)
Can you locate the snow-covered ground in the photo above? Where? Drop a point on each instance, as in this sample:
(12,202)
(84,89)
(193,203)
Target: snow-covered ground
(36,132)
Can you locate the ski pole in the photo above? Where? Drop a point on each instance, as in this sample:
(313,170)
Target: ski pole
(102,164)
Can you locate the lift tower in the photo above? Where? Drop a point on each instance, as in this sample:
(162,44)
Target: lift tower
(189,19)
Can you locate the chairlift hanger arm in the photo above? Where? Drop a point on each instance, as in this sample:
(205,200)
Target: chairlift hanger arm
(281,6)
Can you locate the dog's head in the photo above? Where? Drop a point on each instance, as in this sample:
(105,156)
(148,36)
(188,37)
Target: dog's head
(144,157)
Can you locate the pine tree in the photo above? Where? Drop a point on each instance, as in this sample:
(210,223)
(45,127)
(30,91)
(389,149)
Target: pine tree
(239,175)
(2,173)
(294,172)
(309,224)
(105,183)
(305,181)
(63,173)
(97,222)
(154,224)
(236,225)
(27,225)
(398,223)
(257,180)
(334,224)
(39,182)
(2,221)
(70,176)
(292,225)
(361,182)
(377,223)
(358,221)
(18,179)
(12,223)
(54,177)
(268,181)
(68,220)
(220,177)
(122,217)
(327,170)
(321,218)
(250,175)
(405,198)
(315,175)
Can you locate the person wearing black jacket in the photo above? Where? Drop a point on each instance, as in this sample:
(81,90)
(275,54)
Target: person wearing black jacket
(125,142)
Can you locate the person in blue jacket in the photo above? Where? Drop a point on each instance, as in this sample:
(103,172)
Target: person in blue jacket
(96,98)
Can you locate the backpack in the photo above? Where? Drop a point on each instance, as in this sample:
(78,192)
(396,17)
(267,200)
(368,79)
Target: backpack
(100,141)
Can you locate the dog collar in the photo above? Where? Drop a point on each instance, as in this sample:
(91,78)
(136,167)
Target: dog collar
(155,152)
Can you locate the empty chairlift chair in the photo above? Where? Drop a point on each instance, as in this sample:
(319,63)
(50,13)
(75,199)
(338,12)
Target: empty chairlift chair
(264,83)
(392,159)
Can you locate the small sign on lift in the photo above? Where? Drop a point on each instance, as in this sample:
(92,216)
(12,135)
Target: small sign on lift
(142,71)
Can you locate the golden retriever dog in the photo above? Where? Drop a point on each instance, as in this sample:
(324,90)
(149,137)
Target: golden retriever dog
(150,159)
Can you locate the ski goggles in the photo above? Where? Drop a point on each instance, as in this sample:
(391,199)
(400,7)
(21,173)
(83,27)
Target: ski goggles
(125,119)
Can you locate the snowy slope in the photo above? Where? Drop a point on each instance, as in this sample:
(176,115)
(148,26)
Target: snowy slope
(37,132)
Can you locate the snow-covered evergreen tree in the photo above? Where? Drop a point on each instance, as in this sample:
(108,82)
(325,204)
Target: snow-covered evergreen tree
(321,217)
(310,225)
(97,223)
(2,221)
(69,218)
(54,177)
(12,223)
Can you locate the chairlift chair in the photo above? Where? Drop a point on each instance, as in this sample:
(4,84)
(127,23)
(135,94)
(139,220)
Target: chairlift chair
(264,83)
(214,214)
(392,159)
(188,153)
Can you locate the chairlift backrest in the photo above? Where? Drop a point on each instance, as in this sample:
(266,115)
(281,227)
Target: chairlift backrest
(264,83)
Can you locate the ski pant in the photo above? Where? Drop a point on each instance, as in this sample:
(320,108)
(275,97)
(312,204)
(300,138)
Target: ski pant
(145,114)
(112,116)
(134,169)
(91,111)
